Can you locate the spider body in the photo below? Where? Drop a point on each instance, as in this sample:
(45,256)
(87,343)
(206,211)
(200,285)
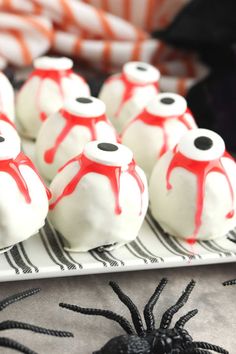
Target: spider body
(126,344)
(159,341)
(151,340)
(166,340)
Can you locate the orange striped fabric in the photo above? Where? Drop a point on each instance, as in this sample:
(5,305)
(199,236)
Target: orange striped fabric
(59,25)
(107,29)
(24,50)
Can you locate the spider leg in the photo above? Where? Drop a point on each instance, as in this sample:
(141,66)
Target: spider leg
(148,309)
(17,297)
(21,325)
(184,319)
(212,347)
(136,317)
(229,282)
(105,313)
(10,343)
(168,315)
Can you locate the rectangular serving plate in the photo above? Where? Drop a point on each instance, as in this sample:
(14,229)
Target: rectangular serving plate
(43,255)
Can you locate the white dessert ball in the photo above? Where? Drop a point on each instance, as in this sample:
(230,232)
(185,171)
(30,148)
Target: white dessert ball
(157,129)
(193,188)
(7,104)
(23,196)
(50,84)
(99,198)
(127,93)
(64,134)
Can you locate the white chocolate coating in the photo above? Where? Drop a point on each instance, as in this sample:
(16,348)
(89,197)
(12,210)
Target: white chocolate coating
(112,91)
(19,219)
(45,95)
(175,208)
(76,138)
(147,141)
(87,218)
(7,105)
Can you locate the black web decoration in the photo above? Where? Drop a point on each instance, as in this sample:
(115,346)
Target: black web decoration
(11,324)
(150,340)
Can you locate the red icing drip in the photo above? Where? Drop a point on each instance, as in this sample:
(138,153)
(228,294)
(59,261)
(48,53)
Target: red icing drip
(72,120)
(6,119)
(54,75)
(129,88)
(113,173)
(200,169)
(159,121)
(11,166)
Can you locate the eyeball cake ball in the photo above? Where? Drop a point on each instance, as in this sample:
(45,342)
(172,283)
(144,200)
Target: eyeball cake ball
(64,134)
(159,127)
(99,198)
(23,196)
(45,91)
(126,94)
(7,104)
(192,188)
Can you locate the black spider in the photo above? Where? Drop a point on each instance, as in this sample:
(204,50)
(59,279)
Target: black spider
(10,343)
(164,340)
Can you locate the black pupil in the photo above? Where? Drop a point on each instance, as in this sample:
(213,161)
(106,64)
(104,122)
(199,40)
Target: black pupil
(1,139)
(84,100)
(203,143)
(167,100)
(107,147)
(141,68)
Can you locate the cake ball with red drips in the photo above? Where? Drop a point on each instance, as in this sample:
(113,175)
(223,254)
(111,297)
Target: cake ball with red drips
(65,133)
(7,104)
(127,93)
(99,198)
(193,188)
(23,195)
(49,85)
(157,129)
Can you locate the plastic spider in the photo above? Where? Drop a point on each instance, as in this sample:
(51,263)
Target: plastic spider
(10,343)
(162,340)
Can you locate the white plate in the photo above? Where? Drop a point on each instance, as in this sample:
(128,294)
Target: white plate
(43,256)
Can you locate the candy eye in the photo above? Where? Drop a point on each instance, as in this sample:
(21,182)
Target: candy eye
(140,72)
(2,139)
(108,154)
(107,147)
(85,107)
(167,104)
(53,63)
(202,145)
(84,100)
